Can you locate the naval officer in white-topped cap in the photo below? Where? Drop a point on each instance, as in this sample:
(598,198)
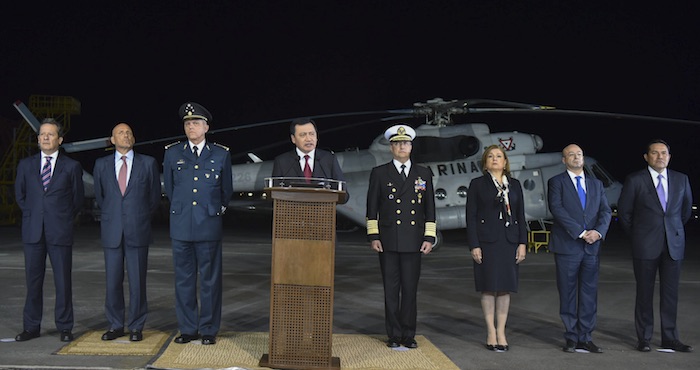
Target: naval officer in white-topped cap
(401,228)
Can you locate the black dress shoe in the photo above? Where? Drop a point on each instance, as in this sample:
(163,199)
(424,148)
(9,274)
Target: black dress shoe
(208,339)
(589,346)
(491,347)
(186,338)
(113,334)
(393,342)
(677,346)
(502,347)
(66,336)
(26,335)
(410,343)
(569,347)
(136,336)
(643,347)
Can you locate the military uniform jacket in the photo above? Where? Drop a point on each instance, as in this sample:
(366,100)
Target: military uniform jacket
(198,189)
(401,213)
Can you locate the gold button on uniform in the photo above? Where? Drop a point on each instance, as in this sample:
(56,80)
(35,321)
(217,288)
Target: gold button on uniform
(194,203)
(398,222)
(398,211)
(196,178)
(398,200)
(194,190)
(413,222)
(196,166)
(413,211)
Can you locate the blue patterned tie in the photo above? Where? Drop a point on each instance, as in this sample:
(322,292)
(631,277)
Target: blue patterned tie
(46,173)
(662,194)
(581,193)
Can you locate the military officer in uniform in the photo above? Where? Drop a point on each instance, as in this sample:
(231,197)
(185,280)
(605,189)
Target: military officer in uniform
(401,228)
(198,183)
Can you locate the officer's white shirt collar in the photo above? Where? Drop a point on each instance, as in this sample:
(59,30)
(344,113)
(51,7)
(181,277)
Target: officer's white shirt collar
(302,160)
(129,156)
(53,156)
(573,179)
(655,176)
(398,164)
(199,146)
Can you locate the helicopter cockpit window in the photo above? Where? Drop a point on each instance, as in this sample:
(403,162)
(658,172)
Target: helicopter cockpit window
(442,149)
(602,175)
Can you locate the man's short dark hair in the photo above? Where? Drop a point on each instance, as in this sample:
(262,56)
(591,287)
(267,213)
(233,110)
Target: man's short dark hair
(658,141)
(52,121)
(299,122)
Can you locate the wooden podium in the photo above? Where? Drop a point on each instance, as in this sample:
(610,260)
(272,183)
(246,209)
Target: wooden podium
(303,267)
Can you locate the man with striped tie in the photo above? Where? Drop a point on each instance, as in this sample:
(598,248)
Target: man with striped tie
(49,191)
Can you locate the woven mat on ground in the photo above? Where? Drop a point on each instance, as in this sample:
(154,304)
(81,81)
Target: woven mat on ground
(356,351)
(91,343)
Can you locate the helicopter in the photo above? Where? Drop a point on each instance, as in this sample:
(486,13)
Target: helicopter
(453,154)
(452,151)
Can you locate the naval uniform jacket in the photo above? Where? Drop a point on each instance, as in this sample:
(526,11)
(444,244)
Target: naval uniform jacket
(401,213)
(198,189)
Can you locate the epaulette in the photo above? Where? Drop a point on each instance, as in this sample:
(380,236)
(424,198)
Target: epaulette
(224,147)
(171,144)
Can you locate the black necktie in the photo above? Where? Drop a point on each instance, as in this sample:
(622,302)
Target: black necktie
(196,151)
(403,172)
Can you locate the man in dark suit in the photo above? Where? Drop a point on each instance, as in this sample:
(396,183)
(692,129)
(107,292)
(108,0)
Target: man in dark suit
(581,221)
(127,190)
(49,191)
(306,160)
(401,228)
(654,206)
(198,183)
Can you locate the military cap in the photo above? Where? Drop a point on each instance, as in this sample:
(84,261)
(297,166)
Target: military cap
(400,133)
(192,110)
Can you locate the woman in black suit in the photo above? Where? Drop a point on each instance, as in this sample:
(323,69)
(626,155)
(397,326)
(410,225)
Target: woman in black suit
(496,235)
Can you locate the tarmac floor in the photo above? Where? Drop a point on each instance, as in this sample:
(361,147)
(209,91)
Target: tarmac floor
(449,310)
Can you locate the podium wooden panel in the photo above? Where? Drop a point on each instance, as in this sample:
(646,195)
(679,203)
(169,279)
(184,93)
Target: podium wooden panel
(303,268)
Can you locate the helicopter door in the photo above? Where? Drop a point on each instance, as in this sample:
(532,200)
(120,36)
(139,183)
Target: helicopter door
(534,192)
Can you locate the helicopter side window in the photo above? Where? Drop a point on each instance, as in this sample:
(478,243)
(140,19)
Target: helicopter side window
(443,149)
(600,173)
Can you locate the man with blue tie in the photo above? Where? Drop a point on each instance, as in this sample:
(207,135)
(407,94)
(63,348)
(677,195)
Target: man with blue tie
(198,183)
(654,206)
(49,191)
(127,191)
(581,221)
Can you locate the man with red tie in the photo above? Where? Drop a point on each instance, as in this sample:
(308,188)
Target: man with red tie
(306,160)
(49,191)
(127,190)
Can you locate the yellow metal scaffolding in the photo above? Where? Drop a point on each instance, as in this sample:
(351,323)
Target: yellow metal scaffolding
(24,144)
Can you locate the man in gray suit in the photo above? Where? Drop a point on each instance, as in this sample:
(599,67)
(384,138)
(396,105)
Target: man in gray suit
(127,190)
(581,220)
(654,206)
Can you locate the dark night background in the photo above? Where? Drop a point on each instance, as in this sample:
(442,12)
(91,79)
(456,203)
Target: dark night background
(254,61)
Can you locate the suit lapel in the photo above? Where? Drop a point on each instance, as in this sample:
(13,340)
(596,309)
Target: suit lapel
(652,190)
(135,172)
(294,158)
(36,165)
(56,171)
